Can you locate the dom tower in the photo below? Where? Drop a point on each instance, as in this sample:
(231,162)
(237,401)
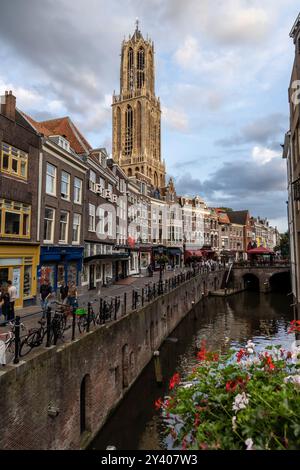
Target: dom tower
(137,114)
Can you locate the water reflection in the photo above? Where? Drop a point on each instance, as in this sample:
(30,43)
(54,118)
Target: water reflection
(223,323)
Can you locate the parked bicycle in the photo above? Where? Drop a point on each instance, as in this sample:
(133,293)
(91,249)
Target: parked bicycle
(84,319)
(9,344)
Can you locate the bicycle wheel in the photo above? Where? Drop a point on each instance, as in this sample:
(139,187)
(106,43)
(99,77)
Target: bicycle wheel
(82,324)
(10,351)
(25,347)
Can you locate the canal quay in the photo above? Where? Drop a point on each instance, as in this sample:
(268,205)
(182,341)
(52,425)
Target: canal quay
(227,322)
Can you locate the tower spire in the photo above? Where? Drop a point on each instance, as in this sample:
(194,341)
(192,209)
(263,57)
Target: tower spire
(137,22)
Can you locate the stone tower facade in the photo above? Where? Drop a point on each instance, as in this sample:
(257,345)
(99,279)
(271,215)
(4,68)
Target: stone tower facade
(137,115)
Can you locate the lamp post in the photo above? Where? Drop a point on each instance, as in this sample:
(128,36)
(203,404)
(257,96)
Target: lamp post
(160,286)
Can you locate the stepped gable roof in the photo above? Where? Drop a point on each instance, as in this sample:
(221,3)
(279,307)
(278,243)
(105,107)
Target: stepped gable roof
(64,127)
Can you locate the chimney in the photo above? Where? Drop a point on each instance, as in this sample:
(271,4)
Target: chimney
(8,105)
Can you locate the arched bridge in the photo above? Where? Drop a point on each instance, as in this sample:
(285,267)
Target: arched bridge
(263,278)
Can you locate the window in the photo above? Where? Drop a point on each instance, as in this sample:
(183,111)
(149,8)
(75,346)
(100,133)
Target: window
(27,281)
(128,131)
(14,161)
(14,219)
(65,185)
(76,228)
(92,217)
(63,227)
(49,224)
(51,179)
(77,190)
(92,181)
(109,224)
(100,225)
(102,182)
(110,188)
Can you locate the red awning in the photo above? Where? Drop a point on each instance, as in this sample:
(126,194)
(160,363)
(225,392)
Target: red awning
(191,253)
(261,250)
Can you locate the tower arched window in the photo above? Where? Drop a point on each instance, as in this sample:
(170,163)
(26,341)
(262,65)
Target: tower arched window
(140,68)
(130,69)
(129,131)
(139,126)
(118,123)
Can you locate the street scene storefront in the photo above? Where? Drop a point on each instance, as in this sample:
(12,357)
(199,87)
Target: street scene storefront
(60,265)
(18,263)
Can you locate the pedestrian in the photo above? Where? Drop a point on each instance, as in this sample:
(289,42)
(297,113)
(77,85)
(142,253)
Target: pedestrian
(64,290)
(72,295)
(45,294)
(12,292)
(5,303)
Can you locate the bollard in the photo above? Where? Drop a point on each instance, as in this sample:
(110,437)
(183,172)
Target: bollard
(116,305)
(157,368)
(125,301)
(142,296)
(73,322)
(101,310)
(48,316)
(88,317)
(17,327)
(133,296)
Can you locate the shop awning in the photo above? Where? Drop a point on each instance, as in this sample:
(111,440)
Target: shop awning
(193,253)
(112,257)
(174,251)
(261,250)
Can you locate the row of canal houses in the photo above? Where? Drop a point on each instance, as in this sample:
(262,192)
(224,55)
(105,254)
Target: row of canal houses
(70,214)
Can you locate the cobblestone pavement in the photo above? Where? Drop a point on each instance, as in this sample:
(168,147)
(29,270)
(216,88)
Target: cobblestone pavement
(31,315)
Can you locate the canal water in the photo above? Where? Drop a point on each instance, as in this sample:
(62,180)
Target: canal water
(223,323)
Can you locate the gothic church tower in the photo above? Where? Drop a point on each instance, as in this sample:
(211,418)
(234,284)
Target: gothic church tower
(137,115)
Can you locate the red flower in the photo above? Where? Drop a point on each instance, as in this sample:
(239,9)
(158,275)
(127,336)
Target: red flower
(158,404)
(184,444)
(294,326)
(269,362)
(240,354)
(174,381)
(197,420)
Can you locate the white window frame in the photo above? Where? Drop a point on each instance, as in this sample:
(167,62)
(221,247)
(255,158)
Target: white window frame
(76,242)
(52,177)
(78,201)
(92,213)
(65,241)
(53,224)
(67,198)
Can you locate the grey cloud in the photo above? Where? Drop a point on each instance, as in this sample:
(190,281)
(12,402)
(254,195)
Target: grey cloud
(263,131)
(244,185)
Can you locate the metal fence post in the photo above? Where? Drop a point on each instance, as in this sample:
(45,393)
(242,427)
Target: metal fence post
(88,317)
(142,296)
(73,323)
(17,339)
(48,343)
(125,302)
(116,302)
(101,310)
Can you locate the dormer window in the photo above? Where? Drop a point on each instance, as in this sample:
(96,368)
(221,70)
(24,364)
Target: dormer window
(61,141)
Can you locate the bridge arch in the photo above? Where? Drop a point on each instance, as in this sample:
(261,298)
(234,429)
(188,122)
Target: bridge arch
(280,282)
(251,282)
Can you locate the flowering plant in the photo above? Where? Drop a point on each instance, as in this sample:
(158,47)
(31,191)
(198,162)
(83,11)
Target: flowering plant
(241,400)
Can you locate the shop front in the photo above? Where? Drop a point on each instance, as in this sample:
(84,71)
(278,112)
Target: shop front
(18,263)
(60,265)
(175,257)
(144,258)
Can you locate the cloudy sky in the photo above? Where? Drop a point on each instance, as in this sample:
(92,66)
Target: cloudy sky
(222,73)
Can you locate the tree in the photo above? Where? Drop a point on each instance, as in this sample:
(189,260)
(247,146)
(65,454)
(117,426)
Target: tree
(284,245)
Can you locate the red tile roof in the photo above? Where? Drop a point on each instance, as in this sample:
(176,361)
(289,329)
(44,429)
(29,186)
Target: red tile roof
(64,127)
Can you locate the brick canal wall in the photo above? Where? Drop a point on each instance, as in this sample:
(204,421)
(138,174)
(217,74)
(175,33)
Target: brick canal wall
(60,398)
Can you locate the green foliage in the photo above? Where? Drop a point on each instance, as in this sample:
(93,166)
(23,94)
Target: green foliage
(236,401)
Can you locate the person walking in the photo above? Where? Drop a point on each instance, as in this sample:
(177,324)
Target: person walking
(12,292)
(64,290)
(5,303)
(72,295)
(45,294)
